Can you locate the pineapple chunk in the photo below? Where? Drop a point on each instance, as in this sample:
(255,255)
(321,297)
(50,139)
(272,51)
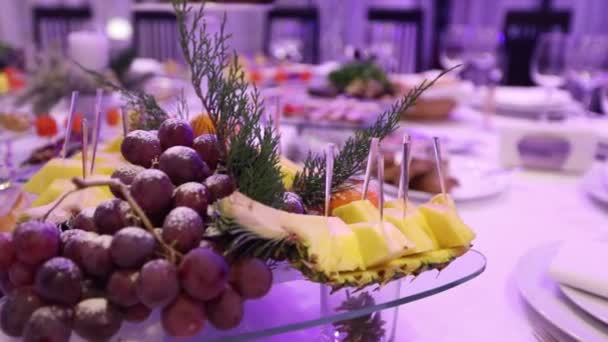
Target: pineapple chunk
(113,146)
(314,233)
(85,198)
(440,213)
(415,213)
(379,242)
(398,204)
(58,168)
(61,186)
(345,246)
(414,227)
(357,211)
(102,157)
(52,192)
(289,170)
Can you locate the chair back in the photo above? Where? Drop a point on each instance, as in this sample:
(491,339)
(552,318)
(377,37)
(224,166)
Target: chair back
(398,32)
(521,31)
(52,25)
(155,35)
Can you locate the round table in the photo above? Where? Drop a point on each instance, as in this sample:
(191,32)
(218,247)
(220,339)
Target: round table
(539,207)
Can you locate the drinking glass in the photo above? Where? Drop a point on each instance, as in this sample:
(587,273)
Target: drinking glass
(482,50)
(287,49)
(483,65)
(6,167)
(384,54)
(604,98)
(587,63)
(548,66)
(452,46)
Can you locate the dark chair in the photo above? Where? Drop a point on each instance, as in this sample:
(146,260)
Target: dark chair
(307,21)
(521,31)
(401,28)
(155,35)
(441,20)
(53,24)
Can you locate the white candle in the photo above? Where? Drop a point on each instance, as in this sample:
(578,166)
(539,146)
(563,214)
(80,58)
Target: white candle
(89,49)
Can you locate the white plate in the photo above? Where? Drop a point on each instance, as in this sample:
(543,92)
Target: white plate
(595,182)
(477,180)
(544,295)
(594,305)
(529,99)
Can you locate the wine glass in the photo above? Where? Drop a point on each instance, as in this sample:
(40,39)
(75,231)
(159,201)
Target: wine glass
(384,54)
(452,46)
(548,66)
(587,63)
(604,98)
(6,167)
(483,48)
(287,49)
(482,55)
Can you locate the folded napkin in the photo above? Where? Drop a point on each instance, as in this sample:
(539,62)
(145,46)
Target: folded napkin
(582,265)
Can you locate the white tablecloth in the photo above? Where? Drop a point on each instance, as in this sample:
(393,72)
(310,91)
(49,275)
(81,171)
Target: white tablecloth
(538,208)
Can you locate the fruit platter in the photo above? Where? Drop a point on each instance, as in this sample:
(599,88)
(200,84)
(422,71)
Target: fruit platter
(199,228)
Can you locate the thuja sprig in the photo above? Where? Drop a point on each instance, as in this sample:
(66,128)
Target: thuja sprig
(207,57)
(249,149)
(149,113)
(350,160)
(367,328)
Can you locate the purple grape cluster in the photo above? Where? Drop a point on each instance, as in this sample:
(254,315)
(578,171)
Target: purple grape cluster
(83,282)
(108,268)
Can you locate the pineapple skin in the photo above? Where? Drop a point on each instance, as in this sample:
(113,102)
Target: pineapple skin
(395,269)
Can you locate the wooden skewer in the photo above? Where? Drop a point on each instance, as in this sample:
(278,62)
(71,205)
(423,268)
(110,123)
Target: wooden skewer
(404,177)
(68,133)
(329,174)
(437,148)
(96,128)
(125,121)
(373,151)
(85,147)
(380,161)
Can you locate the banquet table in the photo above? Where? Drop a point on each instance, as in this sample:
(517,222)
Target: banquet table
(538,208)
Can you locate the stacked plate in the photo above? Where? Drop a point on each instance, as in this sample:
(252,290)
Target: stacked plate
(566,290)
(530,102)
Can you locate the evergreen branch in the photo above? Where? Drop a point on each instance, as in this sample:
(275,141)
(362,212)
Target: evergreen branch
(149,114)
(367,328)
(207,56)
(310,182)
(249,150)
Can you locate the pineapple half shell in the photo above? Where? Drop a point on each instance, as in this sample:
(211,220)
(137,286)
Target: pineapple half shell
(253,229)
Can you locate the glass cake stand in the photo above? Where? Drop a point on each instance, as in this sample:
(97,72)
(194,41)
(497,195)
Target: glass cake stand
(299,310)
